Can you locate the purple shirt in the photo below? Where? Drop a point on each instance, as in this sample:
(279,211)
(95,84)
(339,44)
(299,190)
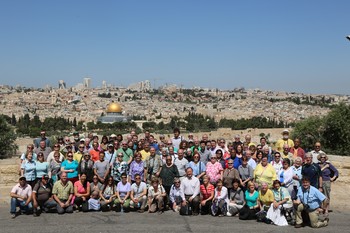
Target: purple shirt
(136,168)
(123,189)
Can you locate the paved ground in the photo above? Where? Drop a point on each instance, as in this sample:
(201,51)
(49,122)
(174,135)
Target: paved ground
(135,222)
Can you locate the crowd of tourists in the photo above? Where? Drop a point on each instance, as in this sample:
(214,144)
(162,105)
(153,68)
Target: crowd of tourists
(280,185)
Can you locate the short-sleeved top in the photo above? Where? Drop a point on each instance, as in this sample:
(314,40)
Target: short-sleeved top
(197,168)
(152,192)
(297,172)
(43,192)
(94,187)
(267,198)
(313,197)
(63,191)
(70,166)
(138,189)
(108,191)
(136,168)
(181,165)
(80,187)
(127,154)
(281,194)
(245,172)
(213,171)
(144,154)
(95,155)
(123,189)
(25,191)
(313,171)
(118,168)
(206,192)
(101,167)
(41,169)
(29,168)
(251,200)
(154,162)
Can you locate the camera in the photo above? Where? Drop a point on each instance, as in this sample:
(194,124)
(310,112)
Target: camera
(150,171)
(306,207)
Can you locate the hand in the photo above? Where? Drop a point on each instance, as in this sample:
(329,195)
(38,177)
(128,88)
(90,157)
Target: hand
(190,199)
(62,205)
(84,198)
(203,203)
(275,205)
(136,200)
(183,203)
(157,174)
(320,189)
(295,177)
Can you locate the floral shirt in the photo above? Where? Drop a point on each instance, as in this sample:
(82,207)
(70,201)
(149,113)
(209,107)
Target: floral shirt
(214,171)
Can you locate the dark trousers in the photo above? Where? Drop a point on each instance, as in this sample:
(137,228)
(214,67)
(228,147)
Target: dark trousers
(194,204)
(68,209)
(80,202)
(205,209)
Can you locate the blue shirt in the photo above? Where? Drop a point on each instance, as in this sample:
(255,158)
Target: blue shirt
(195,167)
(251,200)
(29,170)
(297,171)
(71,165)
(41,169)
(313,197)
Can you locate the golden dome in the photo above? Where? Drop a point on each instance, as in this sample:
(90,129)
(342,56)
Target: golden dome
(114,107)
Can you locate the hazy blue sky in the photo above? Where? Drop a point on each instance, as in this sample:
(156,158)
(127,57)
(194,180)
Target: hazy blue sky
(294,45)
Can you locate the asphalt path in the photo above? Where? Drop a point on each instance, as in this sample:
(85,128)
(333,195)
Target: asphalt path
(169,221)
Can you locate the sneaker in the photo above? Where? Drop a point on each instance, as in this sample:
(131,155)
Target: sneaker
(141,211)
(228,214)
(13,215)
(298,225)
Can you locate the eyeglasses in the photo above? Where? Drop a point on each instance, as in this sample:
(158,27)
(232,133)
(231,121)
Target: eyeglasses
(323,157)
(230,163)
(95,178)
(56,156)
(213,158)
(124,177)
(196,157)
(124,144)
(40,155)
(138,178)
(176,182)
(277,156)
(30,147)
(56,146)
(120,156)
(81,147)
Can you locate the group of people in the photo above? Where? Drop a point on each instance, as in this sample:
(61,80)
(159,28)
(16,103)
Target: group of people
(191,176)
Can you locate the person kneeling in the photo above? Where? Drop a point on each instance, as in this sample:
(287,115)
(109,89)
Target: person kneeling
(309,200)
(177,196)
(156,195)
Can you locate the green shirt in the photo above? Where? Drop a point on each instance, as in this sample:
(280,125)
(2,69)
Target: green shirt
(63,191)
(127,154)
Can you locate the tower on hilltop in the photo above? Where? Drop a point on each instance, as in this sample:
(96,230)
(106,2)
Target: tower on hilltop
(61,84)
(87,82)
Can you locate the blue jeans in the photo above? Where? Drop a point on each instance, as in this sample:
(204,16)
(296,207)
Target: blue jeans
(21,204)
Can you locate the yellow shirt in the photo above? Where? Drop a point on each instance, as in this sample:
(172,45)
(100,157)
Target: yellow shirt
(265,174)
(77,156)
(144,154)
(267,198)
(280,143)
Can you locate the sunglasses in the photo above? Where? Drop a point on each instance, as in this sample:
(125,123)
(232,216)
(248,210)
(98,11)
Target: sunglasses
(230,163)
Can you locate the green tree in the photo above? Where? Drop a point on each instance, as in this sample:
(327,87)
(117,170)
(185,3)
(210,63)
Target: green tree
(7,139)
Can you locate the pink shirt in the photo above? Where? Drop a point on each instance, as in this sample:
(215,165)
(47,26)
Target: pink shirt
(80,187)
(214,171)
(25,191)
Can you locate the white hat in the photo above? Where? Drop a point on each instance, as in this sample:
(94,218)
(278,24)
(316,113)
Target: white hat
(285,131)
(113,136)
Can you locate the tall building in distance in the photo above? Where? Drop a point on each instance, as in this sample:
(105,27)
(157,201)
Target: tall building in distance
(61,84)
(140,86)
(87,82)
(104,84)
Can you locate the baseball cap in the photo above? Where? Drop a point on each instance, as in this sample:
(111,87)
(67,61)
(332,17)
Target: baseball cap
(110,145)
(45,177)
(23,178)
(285,131)
(113,136)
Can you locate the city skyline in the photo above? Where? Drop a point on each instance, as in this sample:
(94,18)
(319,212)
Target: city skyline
(281,46)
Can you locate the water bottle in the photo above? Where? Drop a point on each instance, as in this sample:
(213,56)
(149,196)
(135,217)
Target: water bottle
(138,205)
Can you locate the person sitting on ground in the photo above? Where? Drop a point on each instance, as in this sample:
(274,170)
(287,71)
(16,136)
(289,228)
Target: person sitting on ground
(95,185)
(21,196)
(236,200)
(108,194)
(42,196)
(220,200)
(138,194)
(177,196)
(266,197)
(63,193)
(206,195)
(282,201)
(94,201)
(156,195)
(251,207)
(311,201)
(82,193)
(122,201)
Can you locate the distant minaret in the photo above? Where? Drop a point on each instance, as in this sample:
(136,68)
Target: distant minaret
(104,84)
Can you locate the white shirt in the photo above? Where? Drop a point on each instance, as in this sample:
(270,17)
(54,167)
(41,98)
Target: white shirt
(181,165)
(190,186)
(252,163)
(287,176)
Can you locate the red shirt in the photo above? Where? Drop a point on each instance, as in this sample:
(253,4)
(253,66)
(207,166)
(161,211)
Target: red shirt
(206,192)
